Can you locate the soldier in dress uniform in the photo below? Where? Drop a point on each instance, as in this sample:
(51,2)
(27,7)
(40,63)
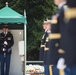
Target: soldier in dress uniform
(6,43)
(41,54)
(46,48)
(55,38)
(52,55)
(70,45)
(42,47)
(67,27)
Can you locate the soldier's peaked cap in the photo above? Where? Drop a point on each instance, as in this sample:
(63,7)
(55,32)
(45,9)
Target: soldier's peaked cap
(5,26)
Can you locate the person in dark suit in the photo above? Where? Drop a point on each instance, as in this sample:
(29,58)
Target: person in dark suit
(6,43)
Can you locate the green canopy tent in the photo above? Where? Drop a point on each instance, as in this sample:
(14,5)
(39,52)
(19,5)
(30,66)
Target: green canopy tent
(8,15)
(13,18)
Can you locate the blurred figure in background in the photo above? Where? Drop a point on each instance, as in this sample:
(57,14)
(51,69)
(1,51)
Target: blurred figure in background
(70,45)
(46,48)
(55,38)
(41,54)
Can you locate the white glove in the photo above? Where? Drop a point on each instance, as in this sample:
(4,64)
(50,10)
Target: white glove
(5,42)
(61,63)
(4,49)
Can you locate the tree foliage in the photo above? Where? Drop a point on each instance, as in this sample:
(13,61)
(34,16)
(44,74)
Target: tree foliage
(37,10)
(18,5)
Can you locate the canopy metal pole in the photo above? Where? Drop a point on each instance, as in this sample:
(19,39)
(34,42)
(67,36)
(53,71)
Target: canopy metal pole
(25,49)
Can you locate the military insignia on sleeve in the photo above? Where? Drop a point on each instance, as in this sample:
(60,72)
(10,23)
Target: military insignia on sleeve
(42,45)
(46,48)
(70,13)
(54,36)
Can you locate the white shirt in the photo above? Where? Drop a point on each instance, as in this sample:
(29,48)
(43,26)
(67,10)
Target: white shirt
(61,4)
(5,32)
(48,31)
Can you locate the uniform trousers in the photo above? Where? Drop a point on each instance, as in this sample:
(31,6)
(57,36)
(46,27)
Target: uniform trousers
(54,71)
(70,70)
(46,70)
(5,61)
